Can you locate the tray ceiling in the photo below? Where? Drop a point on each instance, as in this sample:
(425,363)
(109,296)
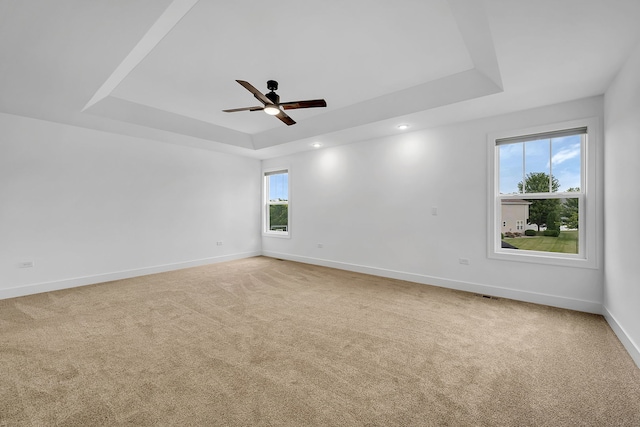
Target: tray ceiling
(164,69)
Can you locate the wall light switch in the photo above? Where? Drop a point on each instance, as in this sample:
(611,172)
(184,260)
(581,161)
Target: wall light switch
(434,211)
(219,243)
(26,264)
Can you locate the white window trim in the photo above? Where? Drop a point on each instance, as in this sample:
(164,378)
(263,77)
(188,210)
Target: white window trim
(588,237)
(265,192)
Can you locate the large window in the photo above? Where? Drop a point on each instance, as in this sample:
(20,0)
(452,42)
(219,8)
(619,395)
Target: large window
(543,183)
(276,206)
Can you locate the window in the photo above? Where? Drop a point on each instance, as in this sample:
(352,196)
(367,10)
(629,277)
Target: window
(542,210)
(276,206)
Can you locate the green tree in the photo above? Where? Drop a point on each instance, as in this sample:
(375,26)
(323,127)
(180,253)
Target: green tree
(569,214)
(538,182)
(279,216)
(552,221)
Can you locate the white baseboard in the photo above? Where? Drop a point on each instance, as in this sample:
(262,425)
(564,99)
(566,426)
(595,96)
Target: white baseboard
(107,277)
(533,297)
(632,348)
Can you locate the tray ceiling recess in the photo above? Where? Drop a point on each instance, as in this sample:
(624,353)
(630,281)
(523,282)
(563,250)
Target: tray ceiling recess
(369,64)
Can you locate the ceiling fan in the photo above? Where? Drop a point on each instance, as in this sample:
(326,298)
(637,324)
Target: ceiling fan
(272,104)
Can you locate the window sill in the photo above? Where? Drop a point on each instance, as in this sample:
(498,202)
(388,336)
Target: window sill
(546,258)
(279,235)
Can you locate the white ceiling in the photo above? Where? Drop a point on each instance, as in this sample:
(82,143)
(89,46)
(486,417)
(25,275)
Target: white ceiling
(165,69)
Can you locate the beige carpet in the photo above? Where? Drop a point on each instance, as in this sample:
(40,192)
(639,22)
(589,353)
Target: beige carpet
(263,342)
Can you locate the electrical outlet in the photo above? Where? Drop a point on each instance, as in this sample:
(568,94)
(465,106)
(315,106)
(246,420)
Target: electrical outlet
(320,245)
(219,243)
(463,261)
(434,211)
(26,264)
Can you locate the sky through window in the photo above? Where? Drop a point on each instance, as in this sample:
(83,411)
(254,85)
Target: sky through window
(279,187)
(557,156)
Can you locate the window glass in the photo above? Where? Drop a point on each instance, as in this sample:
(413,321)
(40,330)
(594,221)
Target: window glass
(534,162)
(566,161)
(543,225)
(279,187)
(276,212)
(536,167)
(511,167)
(278,218)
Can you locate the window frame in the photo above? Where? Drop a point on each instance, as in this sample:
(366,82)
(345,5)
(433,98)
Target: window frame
(266,203)
(587,256)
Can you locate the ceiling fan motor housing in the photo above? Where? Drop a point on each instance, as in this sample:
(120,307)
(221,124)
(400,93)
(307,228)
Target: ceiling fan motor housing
(273,97)
(272,85)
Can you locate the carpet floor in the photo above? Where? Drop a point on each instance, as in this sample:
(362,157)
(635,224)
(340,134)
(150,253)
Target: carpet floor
(265,342)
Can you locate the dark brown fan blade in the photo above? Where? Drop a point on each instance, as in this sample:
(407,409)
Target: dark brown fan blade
(313,103)
(285,119)
(259,95)
(233,110)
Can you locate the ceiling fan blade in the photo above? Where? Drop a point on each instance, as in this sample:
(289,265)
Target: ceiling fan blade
(233,110)
(285,119)
(313,103)
(259,95)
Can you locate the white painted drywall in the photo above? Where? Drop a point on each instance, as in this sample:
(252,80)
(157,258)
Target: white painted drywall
(622,204)
(370,206)
(88,206)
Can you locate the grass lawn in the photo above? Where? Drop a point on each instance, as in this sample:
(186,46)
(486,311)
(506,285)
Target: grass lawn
(566,243)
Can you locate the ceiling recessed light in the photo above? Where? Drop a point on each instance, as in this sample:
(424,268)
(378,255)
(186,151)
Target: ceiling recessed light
(316,144)
(403,127)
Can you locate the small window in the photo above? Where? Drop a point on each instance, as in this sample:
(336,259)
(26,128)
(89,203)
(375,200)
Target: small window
(276,206)
(540,182)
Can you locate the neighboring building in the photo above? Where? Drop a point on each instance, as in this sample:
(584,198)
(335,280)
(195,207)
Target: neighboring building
(515,215)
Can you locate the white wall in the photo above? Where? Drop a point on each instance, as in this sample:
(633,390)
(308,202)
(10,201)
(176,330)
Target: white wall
(89,206)
(369,205)
(622,205)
